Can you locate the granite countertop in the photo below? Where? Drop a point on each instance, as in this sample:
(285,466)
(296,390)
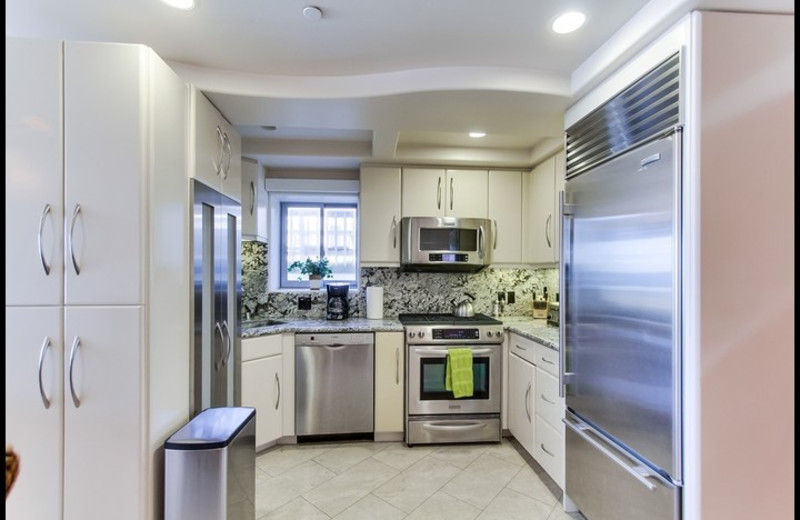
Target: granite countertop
(321,325)
(537,330)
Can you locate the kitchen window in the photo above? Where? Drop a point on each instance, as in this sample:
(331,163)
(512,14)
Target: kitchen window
(312,229)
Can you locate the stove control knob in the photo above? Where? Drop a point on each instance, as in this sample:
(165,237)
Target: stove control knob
(489,333)
(422,334)
(412,334)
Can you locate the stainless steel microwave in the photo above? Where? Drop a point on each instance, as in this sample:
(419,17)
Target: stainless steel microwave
(443,244)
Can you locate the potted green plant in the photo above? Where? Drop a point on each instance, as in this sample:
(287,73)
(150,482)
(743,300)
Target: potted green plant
(315,269)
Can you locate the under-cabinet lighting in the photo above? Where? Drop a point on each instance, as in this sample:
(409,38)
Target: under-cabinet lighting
(477,135)
(568,22)
(180,4)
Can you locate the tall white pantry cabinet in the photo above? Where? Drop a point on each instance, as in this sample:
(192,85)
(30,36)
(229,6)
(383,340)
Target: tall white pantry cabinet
(97,281)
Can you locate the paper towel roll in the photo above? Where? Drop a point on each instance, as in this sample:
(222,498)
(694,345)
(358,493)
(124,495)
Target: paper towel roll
(374,303)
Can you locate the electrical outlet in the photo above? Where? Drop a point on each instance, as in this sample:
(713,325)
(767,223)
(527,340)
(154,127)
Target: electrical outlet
(510,298)
(304,303)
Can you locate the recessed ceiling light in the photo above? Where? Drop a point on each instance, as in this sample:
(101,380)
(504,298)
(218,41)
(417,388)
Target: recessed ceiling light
(568,22)
(180,4)
(477,134)
(312,13)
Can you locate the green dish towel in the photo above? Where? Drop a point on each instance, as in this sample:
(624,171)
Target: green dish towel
(458,372)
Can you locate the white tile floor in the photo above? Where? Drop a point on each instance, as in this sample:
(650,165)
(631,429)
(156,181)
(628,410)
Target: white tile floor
(389,481)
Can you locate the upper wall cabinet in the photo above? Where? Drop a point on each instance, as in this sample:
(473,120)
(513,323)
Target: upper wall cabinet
(216,157)
(505,210)
(433,192)
(379,216)
(541,222)
(254,202)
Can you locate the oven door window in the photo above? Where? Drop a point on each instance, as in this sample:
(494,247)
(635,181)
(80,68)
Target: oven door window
(433,374)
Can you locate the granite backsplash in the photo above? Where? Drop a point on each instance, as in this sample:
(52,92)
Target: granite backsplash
(402,291)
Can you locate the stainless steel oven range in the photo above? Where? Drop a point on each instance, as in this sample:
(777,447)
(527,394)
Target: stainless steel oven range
(433,414)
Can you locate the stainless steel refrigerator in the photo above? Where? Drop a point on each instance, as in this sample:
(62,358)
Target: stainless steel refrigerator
(216,303)
(621,333)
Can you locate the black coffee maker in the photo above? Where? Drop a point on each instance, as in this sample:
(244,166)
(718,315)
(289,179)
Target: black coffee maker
(338,308)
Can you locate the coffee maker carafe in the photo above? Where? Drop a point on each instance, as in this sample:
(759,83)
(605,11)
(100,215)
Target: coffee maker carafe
(338,308)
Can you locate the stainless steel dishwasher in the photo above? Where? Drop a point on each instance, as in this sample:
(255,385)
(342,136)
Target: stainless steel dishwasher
(334,378)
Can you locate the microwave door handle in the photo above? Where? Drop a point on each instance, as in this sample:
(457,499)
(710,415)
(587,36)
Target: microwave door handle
(494,235)
(481,242)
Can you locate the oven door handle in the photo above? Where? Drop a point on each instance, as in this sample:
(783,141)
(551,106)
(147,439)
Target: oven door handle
(440,352)
(454,425)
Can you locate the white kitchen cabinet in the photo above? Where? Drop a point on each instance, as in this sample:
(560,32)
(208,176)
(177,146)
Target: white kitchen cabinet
(389,385)
(105,372)
(379,216)
(288,384)
(549,429)
(436,192)
(34,409)
(542,222)
(505,210)
(521,380)
(255,219)
(216,147)
(262,386)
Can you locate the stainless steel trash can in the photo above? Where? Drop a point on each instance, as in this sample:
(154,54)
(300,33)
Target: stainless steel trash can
(209,467)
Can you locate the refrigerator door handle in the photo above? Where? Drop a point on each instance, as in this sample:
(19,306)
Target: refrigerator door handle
(639,472)
(565,211)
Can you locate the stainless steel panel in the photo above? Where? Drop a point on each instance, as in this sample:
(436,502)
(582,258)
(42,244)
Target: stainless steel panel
(597,481)
(621,307)
(453,429)
(334,383)
(217,298)
(416,404)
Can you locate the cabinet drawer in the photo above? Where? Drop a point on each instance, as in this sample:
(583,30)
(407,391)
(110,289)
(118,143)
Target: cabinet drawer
(263,346)
(546,359)
(549,406)
(549,451)
(522,347)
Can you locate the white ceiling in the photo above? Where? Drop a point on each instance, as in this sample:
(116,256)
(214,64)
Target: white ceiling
(373,81)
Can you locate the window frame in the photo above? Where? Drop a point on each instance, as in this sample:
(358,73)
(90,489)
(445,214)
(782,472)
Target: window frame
(311,200)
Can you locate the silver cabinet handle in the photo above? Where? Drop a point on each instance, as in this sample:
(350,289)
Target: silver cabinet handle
(547,360)
(397,366)
(451,194)
(46,345)
(527,408)
(546,400)
(278,382)
(516,345)
(45,214)
(494,241)
(220,151)
(639,472)
(439,194)
(547,230)
(252,197)
(75,214)
(394,231)
(75,345)
(541,445)
(227,154)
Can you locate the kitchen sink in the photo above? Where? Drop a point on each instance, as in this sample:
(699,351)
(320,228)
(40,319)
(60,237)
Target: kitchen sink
(266,322)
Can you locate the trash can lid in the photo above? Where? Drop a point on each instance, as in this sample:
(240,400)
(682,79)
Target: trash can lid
(211,429)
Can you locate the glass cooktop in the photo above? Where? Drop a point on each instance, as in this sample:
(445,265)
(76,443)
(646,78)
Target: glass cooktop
(446,319)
